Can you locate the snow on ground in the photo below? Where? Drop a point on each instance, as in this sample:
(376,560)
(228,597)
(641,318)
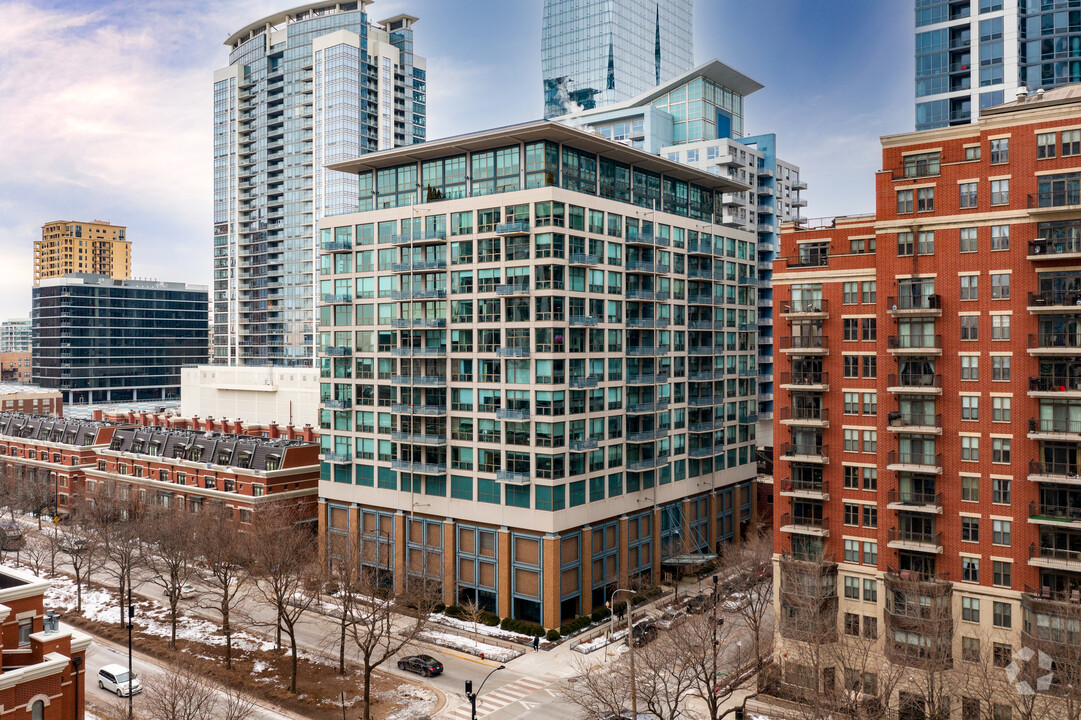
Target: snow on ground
(482,629)
(417,702)
(605,639)
(468,645)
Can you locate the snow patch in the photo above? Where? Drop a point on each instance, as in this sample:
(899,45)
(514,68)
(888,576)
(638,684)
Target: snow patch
(468,645)
(482,629)
(417,702)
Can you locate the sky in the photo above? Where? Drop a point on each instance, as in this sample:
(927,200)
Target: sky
(105,107)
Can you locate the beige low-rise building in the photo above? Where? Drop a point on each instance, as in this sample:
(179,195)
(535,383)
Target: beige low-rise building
(253,395)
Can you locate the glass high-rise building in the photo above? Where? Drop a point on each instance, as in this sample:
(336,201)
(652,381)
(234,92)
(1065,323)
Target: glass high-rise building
(598,52)
(975,54)
(303,88)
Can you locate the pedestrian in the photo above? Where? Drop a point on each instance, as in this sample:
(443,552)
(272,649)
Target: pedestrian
(536,643)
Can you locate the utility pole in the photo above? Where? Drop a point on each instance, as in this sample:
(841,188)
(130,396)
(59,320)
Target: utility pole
(131,677)
(630,645)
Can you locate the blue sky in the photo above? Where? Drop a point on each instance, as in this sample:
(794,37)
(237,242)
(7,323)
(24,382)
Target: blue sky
(107,105)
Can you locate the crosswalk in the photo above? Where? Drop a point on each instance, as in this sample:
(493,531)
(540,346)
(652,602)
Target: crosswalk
(493,700)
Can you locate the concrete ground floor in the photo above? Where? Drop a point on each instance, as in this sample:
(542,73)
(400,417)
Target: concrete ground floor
(543,578)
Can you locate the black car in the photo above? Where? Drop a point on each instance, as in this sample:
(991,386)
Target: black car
(425,665)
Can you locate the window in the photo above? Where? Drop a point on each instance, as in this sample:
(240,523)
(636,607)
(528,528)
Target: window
(870,557)
(857,246)
(970,529)
(852,440)
(1002,572)
(852,587)
(870,516)
(870,479)
(870,366)
(852,403)
(869,329)
(970,407)
(37,710)
(850,293)
(1071,142)
(970,367)
(1000,450)
(870,441)
(970,285)
(870,590)
(904,244)
(852,623)
(970,570)
(851,328)
(968,239)
(1002,614)
(1000,491)
(1000,151)
(1000,192)
(1000,532)
(1000,409)
(25,628)
(852,551)
(1000,327)
(852,366)
(1000,286)
(1000,237)
(1045,145)
(970,449)
(972,153)
(970,649)
(1000,368)
(968,194)
(852,514)
(969,327)
(870,627)
(970,489)
(851,478)
(970,709)
(925,199)
(904,200)
(970,609)
(1002,655)
(870,292)
(870,403)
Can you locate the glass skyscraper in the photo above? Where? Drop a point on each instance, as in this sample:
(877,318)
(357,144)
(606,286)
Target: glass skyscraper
(303,88)
(598,52)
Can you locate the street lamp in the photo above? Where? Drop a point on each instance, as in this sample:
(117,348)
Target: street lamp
(473,695)
(630,643)
(131,680)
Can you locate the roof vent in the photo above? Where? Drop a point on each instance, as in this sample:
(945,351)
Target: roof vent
(1039,94)
(1022,92)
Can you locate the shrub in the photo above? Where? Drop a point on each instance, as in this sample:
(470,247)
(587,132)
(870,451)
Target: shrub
(600,614)
(489,619)
(575,625)
(552,635)
(454,611)
(439,607)
(521,626)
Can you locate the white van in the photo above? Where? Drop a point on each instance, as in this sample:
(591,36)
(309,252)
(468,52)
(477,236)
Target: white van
(114,678)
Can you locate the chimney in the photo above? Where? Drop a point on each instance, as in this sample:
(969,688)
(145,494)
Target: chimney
(98,415)
(308,433)
(273,430)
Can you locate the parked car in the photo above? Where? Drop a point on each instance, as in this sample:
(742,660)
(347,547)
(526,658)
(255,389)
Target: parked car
(114,678)
(643,634)
(11,535)
(187,591)
(425,665)
(699,604)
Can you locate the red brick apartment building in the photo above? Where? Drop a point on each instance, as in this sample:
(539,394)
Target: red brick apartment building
(171,467)
(44,673)
(929,395)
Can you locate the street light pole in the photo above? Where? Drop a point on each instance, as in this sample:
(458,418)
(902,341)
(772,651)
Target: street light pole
(473,695)
(131,678)
(630,646)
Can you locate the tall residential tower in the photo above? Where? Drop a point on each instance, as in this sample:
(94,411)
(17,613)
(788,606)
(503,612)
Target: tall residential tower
(305,87)
(74,246)
(597,52)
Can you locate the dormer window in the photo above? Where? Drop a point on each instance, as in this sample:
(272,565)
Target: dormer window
(223,457)
(116,443)
(272,462)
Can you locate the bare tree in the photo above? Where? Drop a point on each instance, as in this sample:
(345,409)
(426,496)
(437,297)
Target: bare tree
(181,694)
(714,657)
(169,553)
(598,690)
(35,553)
(77,543)
(750,566)
(343,576)
(224,553)
(919,637)
(663,677)
(283,562)
(472,612)
(36,493)
(117,533)
(374,631)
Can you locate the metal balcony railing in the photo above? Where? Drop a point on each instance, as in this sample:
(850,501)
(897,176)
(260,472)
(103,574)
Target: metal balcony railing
(809,414)
(583,321)
(807,449)
(1054,425)
(647,379)
(1054,340)
(647,463)
(804,342)
(812,306)
(512,413)
(1054,198)
(897,419)
(1054,469)
(915,342)
(1055,297)
(589,381)
(896,457)
(910,497)
(518,227)
(1054,383)
(916,537)
(918,381)
(1054,246)
(583,259)
(406,409)
(805,486)
(1052,553)
(424,468)
(1055,512)
(805,521)
(913,302)
(805,378)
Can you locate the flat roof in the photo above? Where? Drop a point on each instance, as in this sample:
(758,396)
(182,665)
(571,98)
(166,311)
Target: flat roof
(1064,95)
(531,132)
(280,17)
(108,281)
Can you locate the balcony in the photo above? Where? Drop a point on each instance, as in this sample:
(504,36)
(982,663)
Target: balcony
(806,489)
(804,345)
(1054,249)
(805,416)
(583,321)
(805,524)
(432,236)
(423,468)
(403,323)
(1054,429)
(1054,515)
(644,408)
(647,379)
(647,435)
(584,444)
(642,322)
(432,351)
(1051,202)
(583,259)
(640,294)
(419,266)
(513,290)
(337,299)
(805,309)
(1054,343)
(1054,301)
(337,245)
(704,452)
(641,266)
(705,400)
(337,404)
(518,227)
(637,238)
(647,463)
(430,410)
(1054,386)
(700,376)
(913,344)
(748,418)
(1064,473)
(918,462)
(914,540)
(915,383)
(646,350)
(813,381)
(337,351)
(512,352)
(589,381)
(805,453)
(702,350)
(420,294)
(909,305)
(706,426)
(337,458)
(422,380)
(518,414)
(1054,558)
(925,423)
(512,477)
(418,438)
(911,501)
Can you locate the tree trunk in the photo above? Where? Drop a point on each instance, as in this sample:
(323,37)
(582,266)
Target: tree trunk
(293,663)
(341,648)
(228,635)
(367,689)
(172,630)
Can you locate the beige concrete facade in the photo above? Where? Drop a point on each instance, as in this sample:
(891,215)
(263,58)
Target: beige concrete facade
(254,395)
(73,246)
